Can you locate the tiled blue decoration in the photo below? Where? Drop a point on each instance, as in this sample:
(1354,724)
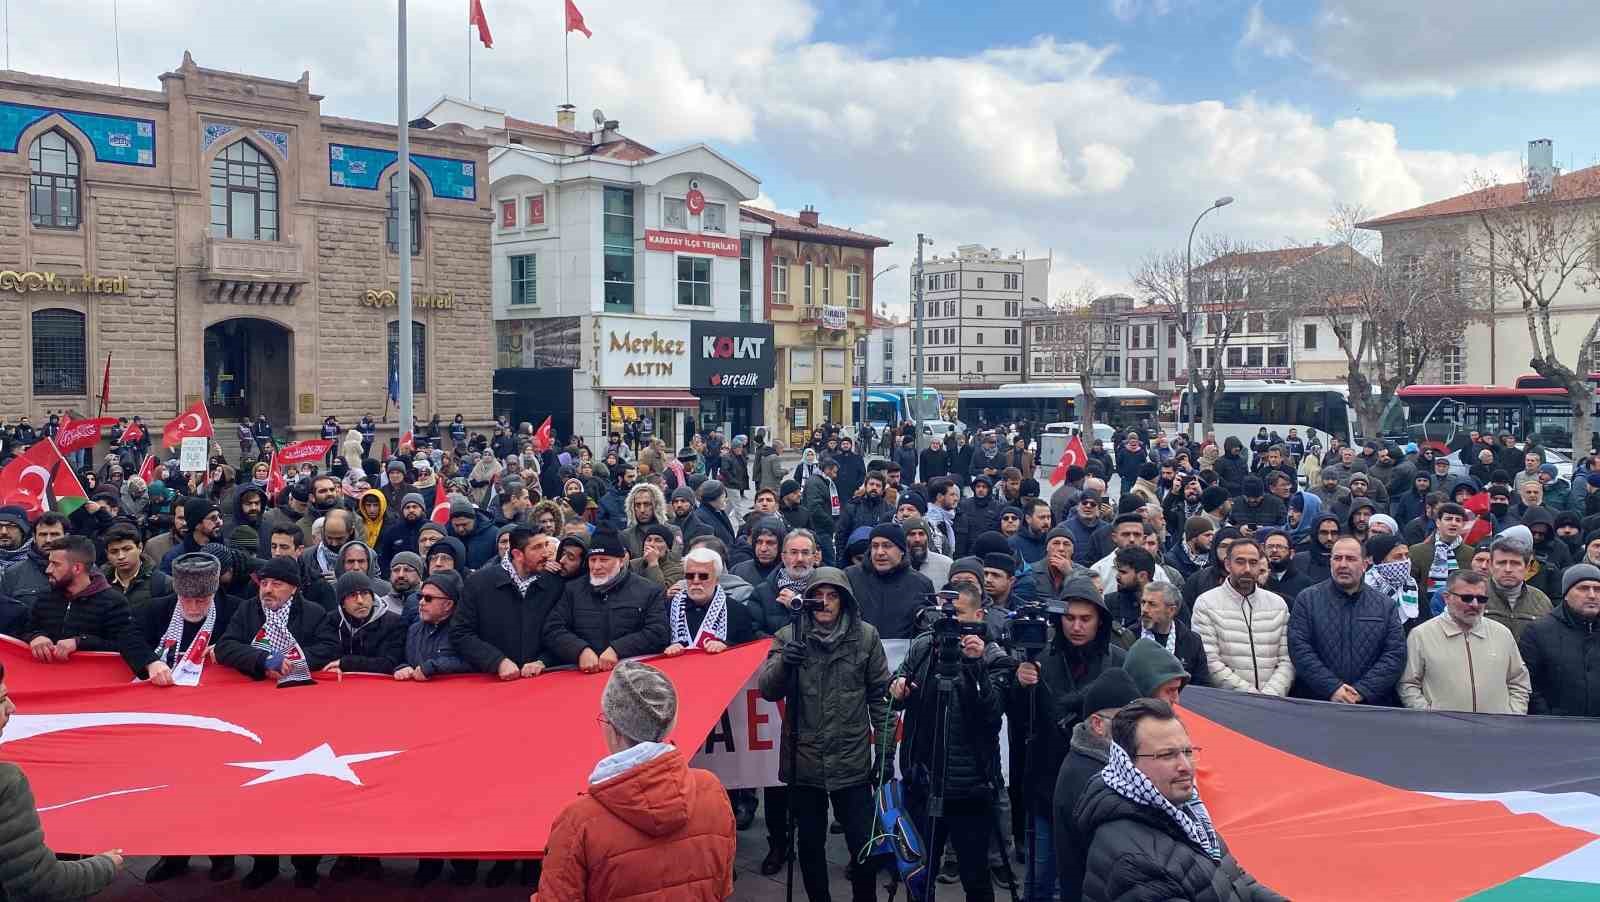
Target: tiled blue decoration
(213,132)
(350,166)
(114,139)
(279,140)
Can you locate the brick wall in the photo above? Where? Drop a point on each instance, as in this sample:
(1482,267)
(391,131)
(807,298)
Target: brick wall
(463,339)
(13,219)
(134,236)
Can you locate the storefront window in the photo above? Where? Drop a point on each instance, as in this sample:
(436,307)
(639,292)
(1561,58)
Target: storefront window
(832,407)
(833,369)
(619,249)
(802,365)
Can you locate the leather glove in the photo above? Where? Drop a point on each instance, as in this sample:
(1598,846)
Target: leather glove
(794,654)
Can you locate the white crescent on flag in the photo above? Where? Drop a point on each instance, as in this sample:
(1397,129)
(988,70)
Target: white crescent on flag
(186,417)
(27,726)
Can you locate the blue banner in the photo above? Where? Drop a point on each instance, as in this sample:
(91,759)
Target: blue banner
(352,166)
(113,139)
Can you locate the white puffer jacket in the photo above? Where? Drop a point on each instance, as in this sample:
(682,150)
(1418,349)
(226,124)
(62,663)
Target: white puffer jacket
(1246,640)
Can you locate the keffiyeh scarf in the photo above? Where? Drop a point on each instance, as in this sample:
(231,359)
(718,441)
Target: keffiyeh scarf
(281,646)
(522,582)
(1171,642)
(1394,580)
(714,626)
(186,663)
(1444,559)
(1126,780)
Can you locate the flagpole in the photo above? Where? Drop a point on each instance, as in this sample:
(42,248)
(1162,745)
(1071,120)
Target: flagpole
(469,49)
(403,231)
(566,38)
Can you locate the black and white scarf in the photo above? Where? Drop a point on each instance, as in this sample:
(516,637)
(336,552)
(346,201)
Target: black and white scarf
(1128,781)
(714,626)
(186,663)
(1171,643)
(1444,558)
(275,639)
(522,582)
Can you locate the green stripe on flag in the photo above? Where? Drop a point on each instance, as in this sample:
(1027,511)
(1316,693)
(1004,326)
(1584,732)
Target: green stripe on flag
(1533,889)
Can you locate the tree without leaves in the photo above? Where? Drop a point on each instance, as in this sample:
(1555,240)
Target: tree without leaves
(1076,335)
(1390,312)
(1534,245)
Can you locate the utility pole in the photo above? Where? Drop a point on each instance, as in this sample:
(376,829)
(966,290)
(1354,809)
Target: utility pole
(402,197)
(921,345)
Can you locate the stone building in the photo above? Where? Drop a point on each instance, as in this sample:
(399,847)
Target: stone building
(223,239)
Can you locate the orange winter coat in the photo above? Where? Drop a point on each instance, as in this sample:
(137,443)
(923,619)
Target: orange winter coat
(659,831)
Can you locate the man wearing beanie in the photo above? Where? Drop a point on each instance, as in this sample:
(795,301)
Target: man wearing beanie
(371,639)
(202,526)
(405,575)
(835,678)
(924,560)
(611,615)
(888,592)
(976,515)
(764,533)
(401,534)
(1193,551)
(794,515)
(1088,752)
(649,826)
(1254,508)
(1559,649)
(868,508)
(711,517)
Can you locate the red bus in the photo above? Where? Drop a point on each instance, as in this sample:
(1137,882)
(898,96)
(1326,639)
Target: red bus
(1532,410)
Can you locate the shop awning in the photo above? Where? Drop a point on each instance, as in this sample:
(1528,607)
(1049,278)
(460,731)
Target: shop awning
(660,397)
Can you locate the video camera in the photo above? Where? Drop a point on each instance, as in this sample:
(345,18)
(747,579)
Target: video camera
(939,614)
(801,603)
(1028,628)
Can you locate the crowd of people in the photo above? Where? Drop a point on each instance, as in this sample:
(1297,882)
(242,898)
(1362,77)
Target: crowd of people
(1384,582)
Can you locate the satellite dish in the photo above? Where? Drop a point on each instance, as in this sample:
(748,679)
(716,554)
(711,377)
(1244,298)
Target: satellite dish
(599,118)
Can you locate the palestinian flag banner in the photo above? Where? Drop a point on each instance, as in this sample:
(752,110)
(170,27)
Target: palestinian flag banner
(40,479)
(1326,801)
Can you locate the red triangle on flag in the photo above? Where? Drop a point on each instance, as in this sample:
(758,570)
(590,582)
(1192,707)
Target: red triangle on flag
(441,503)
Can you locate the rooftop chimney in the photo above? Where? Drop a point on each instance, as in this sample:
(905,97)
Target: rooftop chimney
(567,117)
(1541,167)
(808,216)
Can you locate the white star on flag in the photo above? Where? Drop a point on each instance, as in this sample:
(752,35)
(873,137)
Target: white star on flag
(319,762)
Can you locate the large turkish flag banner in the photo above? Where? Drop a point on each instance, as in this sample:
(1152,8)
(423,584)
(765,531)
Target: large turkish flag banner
(338,767)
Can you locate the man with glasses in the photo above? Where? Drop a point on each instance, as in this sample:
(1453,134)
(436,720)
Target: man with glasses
(1345,637)
(1091,539)
(1146,824)
(1462,660)
(1561,648)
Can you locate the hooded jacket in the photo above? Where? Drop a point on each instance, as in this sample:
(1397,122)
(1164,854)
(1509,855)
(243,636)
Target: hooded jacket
(240,530)
(657,831)
(1562,652)
(889,601)
(843,697)
(1086,755)
(632,537)
(376,646)
(481,543)
(976,516)
(372,529)
(1312,556)
(858,512)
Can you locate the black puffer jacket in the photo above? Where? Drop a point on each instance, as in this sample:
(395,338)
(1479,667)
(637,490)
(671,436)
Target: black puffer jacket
(377,646)
(974,517)
(1138,854)
(316,630)
(1562,651)
(629,616)
(973,727)
(99,618)
(889,601)
(859,512)
(494,621)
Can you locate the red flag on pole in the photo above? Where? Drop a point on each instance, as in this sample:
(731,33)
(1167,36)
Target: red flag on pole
(541,436)
(40,479)
(476,17)
(304,451)
(105,386)
(132,434)
(275,481)
(575,20)
(76,435)
(147,470)
(192,423)
(1071,456)
(441,504)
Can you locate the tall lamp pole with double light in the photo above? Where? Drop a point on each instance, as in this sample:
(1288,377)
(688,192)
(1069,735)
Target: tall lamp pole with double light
(1186,414)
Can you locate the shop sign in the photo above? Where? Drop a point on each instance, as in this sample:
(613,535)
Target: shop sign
(688,243)
(736,356)
(440,300)
(635,351)
(834,317)
(31,282)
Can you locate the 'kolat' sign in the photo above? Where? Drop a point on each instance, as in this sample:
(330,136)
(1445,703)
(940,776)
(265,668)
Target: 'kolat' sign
(730,356)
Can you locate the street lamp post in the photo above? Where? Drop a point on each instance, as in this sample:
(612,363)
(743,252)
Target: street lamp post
(1186,415)
(920,358)
(866,365)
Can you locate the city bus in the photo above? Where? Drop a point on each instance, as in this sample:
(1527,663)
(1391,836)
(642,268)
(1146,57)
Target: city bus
(1533,410)
(1052,402)
(891,405)
(1318,410)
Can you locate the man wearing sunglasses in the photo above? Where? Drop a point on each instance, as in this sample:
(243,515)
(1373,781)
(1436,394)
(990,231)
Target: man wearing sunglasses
(1462,660)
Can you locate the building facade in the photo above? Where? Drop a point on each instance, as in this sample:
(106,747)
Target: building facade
(969,334)
(624,280)
(222,240)
(818,297)
(1058,342)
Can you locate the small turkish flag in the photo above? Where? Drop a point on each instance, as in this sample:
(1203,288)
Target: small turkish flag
(441,503)
(476,17)
(275,481)
(147,470)
(192,423)
(132,434)
(575,20)
(541,436)
(1071,456)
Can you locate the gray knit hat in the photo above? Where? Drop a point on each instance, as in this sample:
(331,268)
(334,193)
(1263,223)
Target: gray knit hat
(640,702)
(1577,573)
(195,575)
(410,559)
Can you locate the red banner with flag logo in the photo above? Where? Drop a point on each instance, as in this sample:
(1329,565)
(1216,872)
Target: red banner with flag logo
(306,451)
(223,766)
(76,435)
(40,479)
(192,423)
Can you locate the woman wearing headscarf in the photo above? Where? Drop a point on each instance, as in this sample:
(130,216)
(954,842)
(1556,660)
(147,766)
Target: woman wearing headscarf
(482,477)
(807,467)
(350,449)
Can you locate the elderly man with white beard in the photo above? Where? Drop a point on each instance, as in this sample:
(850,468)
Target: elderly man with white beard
(614,614)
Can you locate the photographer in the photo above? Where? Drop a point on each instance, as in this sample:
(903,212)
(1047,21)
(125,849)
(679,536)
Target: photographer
(1080,650)
(835,677)
(970,748)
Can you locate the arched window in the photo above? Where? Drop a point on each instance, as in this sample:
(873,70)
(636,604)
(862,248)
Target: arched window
(419,355)
(244,194)
(59,353)
(392,226)
(53,187)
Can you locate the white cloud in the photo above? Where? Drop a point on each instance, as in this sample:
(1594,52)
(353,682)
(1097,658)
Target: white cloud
(1262,35)
(1129,10)
(1034,147)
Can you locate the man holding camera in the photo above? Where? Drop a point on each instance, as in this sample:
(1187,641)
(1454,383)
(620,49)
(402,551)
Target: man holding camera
(835,677)
(1051,689)
(956,648)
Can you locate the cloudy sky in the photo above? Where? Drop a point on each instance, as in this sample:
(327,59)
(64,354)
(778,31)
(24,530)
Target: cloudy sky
(1093,130)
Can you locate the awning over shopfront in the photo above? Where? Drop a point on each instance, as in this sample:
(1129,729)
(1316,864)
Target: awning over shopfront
(661,397)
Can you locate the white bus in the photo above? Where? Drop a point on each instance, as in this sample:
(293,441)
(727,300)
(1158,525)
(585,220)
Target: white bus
(1318,410)
(1053,402)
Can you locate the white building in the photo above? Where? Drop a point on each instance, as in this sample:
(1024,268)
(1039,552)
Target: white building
(616,269)
(884,356)
(971,328)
